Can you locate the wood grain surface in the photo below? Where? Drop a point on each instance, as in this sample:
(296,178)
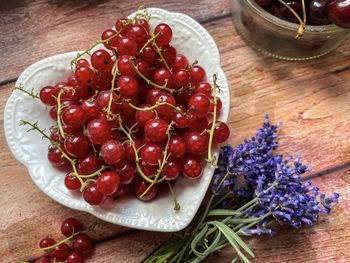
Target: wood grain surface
(311,98)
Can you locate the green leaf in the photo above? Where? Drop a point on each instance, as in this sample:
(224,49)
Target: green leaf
(234,260)
(242,220)
(197,239)
(239,253)
(232,237)
(223,212)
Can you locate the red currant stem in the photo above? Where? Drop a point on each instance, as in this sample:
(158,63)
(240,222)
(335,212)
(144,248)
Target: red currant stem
(192,65)
(173,194)
(161,55)
(163,162)
(104,167)
(212,129)
(142,12)
(59,111)
(149,82)
(61,241)
(137,158)
(301,28)
(156,105)
(30,93)
(152,39)
(110,115)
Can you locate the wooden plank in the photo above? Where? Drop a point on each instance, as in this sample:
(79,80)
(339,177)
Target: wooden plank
(33,30)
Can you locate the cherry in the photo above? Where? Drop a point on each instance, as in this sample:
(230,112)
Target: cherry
(318,12)
(165,34)
(126,46)
(282,12)
(127,173)
(74,116)
(72,182)
(171,170)
(74,257)
(196,143)
(55,157)
(112,152)
(112,43)
(88,164)
(141,186)
(148,54)
(181,78)
(129,151)
(60,252)
(47,242)
(177,147)
(48,95)
(152,153)
(192,167)
(156,130)
(84,75)
(128,86)
(91,108)
(204,88)
(221,132)
(77,145)
(98,131)
(108,182)
(82,244)
(197,73)
(199,105)
(70,226)
(180,62)
(101,60)
(339,12)
(142,116)
(92,195)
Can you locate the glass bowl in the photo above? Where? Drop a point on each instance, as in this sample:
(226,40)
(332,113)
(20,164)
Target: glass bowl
(276,37)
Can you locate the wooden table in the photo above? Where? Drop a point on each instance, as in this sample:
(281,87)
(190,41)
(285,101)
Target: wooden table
(311,98)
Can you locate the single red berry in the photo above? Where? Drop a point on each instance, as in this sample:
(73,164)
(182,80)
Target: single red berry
(125,67)
(180,62)
(70,226)
(166,112)
(181,78)
(191,167)
(139,34)
(101,60)
(148,54)
(169,54)
(142,116)
(163,76)
(165,34)
(197,143)
(197,73)
(82,62)
(156,130)
(74,257)
(60,252)
(82,243)
(122,25)
(92,195)
(152,154)
(108,182)
(88,164)
(98,131)
(149,170)
(199,105)
(72,182)
(112,152)
(153,95)
(181,119)
(111,35)
(171,170)
(84,75)
(77,145)
(55,135)
(74,116)
(47,242)
(48,95)
(204,88)
(129,150)
(141,186)
(91,108)
(55,156)
(127,173)
(143,22)
(128,86)
(103,101)
(221,132)
(177,147)
(126,46)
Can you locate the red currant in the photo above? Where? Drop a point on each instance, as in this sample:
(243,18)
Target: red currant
(142,116)
(82,244)
(141,186)
(74,257)
(98,131)
(84,75)
(108,34)
(192,167)
(92,195)
(128,86)
(171,170)
(165,34)
(70,226)
(126,46)
(60,252)
(112,152)
(77,145)
(74,116)
(72,182)
(199,105)
(127,173)
(180,62)
(108,182)
(156,130)
(47,242)
(88,164)
(48,95)
(152,154)
(177,147)
(221,132)
(101,60)
(197,73)
(197,143)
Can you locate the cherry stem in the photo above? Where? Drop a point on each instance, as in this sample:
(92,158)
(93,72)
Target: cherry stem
(156,105)
(212,129)
(164,160)
(301,28)
(137,158)
(30,93)
(304,10)
(173,194)
(59,111)
(149,82)
(110,115)
(153,38)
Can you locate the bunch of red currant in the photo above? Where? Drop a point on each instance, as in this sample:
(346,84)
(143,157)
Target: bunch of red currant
(72,249)
(318,12)
(134,114)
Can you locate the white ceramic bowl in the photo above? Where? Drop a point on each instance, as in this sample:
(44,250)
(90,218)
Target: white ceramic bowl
(190,39)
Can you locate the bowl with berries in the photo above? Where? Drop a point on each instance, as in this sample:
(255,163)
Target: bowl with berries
(293,29)
(128,129)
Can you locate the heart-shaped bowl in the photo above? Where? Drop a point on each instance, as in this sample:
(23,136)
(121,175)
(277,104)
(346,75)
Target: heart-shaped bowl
(190,39)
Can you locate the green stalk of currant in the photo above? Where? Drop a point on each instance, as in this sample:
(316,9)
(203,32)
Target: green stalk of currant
(59,112)
(29,93)
(212,129)
(156,105)
(110,115)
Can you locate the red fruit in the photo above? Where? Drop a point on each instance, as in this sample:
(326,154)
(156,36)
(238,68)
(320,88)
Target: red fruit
(60,252)
(180,62)
(148,54)
(69,93)
(82,62)
(55,157)
(77,145)
(139,34)
(163,76)
(197,73)
(149,170)
(74,257)
(181,78)
(104,98)
(165,34)
(108,34)
(72,182)
(142,116)
(128,86)
(98,131)
(199,105)
(124,66)
(169,54)
(47,242)
(88,164)
(191,167)
(141,186)
(171,170)
(218,105)
(181,119)
(153,95)
(143,22)
(70,226)
(102,80)
(108,182)
(152,154)
(196,143)
(91,108)
(156,130)
(177,147)
(126,46)
(48,95)
(42,260)
(166,112)
(221,132)
(122,25)
(82,243)
(55,134)
(92,195)
(112,152)
(204,88)
(101,60)
(127,173)
(339,12)
(84,75)
(129,151)
(74,116)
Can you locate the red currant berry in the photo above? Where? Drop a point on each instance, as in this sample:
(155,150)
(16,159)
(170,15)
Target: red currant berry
(84,75)
(129,150)
(88,164)
(191,167)
(82,244)
(143,22)
(47,242)
(141,186)
(164,111)
(70,226)
(74,116)
(92,195)
(221,132)
(339,12)
(149,170)
(112,152)
(165,34)
(112,43)
(72,182)
(98,131)
(72,81)
(169,54)
(180,62)
(218,105)
(108,182)
(124,66)
(171,170)
(122,25)
(48,95)
(181,78)
(148,54)
(152,154)
(103,100)
(77,145)
(60,252)
(126,46)
(139,34)
(55,157)
(204,88)
(55,135)
(199,105)
(101,60)
(177,147)
(127,173)
(156,130)
(82,62)
(142,116)
(91,108)
(181,119)
(74,257)
(163,76)
(197,73)
(128,86)
(196,143)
